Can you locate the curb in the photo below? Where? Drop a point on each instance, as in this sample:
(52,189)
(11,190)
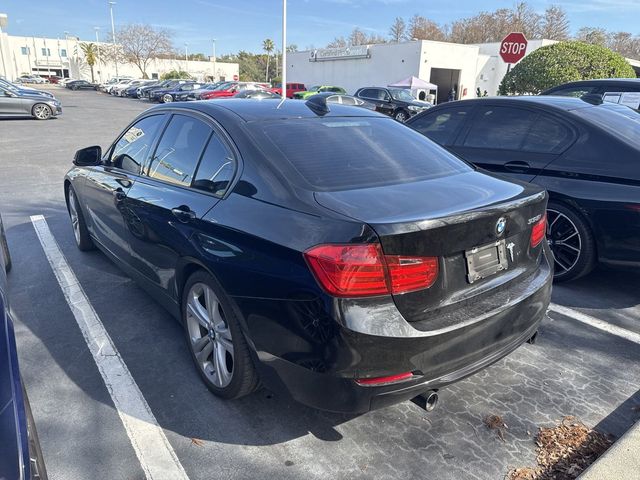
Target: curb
(620,462)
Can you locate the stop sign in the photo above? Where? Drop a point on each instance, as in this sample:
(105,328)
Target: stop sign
(513,47)
(235,77)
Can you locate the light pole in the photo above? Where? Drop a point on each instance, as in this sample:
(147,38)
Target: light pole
(284,49)
(98,49)
(66,38)
(214,59)
(186,58)
(113,36)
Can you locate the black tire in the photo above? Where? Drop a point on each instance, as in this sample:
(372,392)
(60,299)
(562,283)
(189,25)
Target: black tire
(41,111)
(5,249)
(80,231)
(244,378)
(564,222)
(401,116)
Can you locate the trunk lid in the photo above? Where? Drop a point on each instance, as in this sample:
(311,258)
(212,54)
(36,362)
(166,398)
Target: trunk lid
(448,217)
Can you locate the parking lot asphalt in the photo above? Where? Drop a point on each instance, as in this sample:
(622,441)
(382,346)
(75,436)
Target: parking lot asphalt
(573,369)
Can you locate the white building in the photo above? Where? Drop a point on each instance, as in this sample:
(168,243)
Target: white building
(63,57)
(463,68)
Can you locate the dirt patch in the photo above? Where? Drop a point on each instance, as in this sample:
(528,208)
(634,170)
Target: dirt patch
(563,452)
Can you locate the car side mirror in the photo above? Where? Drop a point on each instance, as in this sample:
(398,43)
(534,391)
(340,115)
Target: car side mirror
(87,157)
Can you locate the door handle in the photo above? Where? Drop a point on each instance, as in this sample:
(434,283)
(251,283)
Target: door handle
(183,213)
(517,166)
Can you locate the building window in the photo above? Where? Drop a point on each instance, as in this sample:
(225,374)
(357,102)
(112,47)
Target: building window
(24,50)
(63,52)
(154,76)
(46,52)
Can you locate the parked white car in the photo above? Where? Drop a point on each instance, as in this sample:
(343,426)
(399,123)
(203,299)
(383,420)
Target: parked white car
(119,88)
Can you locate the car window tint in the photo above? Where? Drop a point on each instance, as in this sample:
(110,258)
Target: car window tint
(216,168)
(179,149)
(502,128)
(573,91)
(547,135)
(132,149)
(619,121)
(368,93)
(341,154)
(348,101)
(441,126)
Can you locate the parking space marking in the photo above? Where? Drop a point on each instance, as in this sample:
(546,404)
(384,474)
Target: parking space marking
(596,323)
(157,458)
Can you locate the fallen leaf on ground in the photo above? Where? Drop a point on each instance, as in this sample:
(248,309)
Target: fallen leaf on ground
(197,442)
(564,451)
(495,422)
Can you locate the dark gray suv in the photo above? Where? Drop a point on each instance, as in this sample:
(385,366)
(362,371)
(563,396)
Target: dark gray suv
(395,102)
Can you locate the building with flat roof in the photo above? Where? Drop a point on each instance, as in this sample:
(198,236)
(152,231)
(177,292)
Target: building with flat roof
(449,66)
(63,57)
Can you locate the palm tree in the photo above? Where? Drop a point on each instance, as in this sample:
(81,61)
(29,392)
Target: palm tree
(90,51)
(268,47)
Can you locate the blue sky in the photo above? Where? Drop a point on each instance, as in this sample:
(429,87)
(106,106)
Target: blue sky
(243,25)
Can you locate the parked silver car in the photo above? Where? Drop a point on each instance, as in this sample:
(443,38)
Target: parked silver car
(14,104)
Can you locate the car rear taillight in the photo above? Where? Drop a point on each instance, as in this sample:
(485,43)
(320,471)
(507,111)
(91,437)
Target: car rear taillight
(538,231)
(370,382)
(364,270)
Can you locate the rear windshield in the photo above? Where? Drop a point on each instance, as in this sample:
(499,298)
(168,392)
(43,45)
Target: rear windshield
(620,121)
(345,153)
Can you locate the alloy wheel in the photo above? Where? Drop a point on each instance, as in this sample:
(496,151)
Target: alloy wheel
(401,116)
(73,212)
(41,111)
(564,240)
(167,98)
(209,335)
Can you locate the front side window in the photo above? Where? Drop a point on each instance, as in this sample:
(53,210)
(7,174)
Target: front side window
(401,94)
(179,150)
(216,168)
(441,126)
(134,146)
(503,128)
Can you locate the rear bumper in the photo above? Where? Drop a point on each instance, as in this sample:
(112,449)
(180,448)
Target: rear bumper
(327,380)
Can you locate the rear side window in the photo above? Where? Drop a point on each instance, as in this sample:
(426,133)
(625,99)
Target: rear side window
(573,91)
(503,128)
(216,168)
(547,135)
(619,121)
(441,126)
(368,93)
(179,150)
(349,153)
(134,146)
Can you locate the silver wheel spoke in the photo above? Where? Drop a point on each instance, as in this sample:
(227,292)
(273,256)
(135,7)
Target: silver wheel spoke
(205,352)
(226,344)
(567,238)
(198,312)
(561,244)
(223,375)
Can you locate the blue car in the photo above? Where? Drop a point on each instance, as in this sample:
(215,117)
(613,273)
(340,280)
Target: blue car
(175,93)
(20,455)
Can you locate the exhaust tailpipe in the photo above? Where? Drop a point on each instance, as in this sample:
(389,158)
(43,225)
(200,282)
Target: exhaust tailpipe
(427,400)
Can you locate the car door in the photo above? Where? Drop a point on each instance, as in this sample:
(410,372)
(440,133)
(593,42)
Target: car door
(173,195)
(12,104)
(107,185)
(514,141)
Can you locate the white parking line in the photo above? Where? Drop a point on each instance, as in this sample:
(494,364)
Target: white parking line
(596,323)
(157,458)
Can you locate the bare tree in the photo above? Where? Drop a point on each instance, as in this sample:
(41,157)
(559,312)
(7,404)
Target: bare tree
(594,35)
(337,42)
(139,44)
(555,24)
(358,37)
(523,19)
(422,28)
(398,30)
(625,44)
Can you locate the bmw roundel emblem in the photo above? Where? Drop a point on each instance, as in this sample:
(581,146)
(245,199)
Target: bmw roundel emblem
(501,225)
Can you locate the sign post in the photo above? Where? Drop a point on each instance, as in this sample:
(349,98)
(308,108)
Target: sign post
(512,48)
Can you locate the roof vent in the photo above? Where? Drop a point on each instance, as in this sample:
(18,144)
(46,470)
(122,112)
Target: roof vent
(592,98)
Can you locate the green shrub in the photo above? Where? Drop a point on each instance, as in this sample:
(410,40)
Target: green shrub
(563,62)
(174,74)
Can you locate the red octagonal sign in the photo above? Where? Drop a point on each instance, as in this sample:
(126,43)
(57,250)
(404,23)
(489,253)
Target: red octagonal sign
(513,47)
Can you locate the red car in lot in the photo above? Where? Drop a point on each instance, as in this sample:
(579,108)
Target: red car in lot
(291,89)
(231,88)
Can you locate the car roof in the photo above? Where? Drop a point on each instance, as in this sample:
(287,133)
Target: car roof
(267,109)
(560,103)
(619,81)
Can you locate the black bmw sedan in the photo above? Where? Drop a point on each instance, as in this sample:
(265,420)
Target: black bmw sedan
(329,253)
(586,156)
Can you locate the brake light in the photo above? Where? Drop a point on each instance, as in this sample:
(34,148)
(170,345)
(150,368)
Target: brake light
(538,231)
(364,270)
(384,380)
